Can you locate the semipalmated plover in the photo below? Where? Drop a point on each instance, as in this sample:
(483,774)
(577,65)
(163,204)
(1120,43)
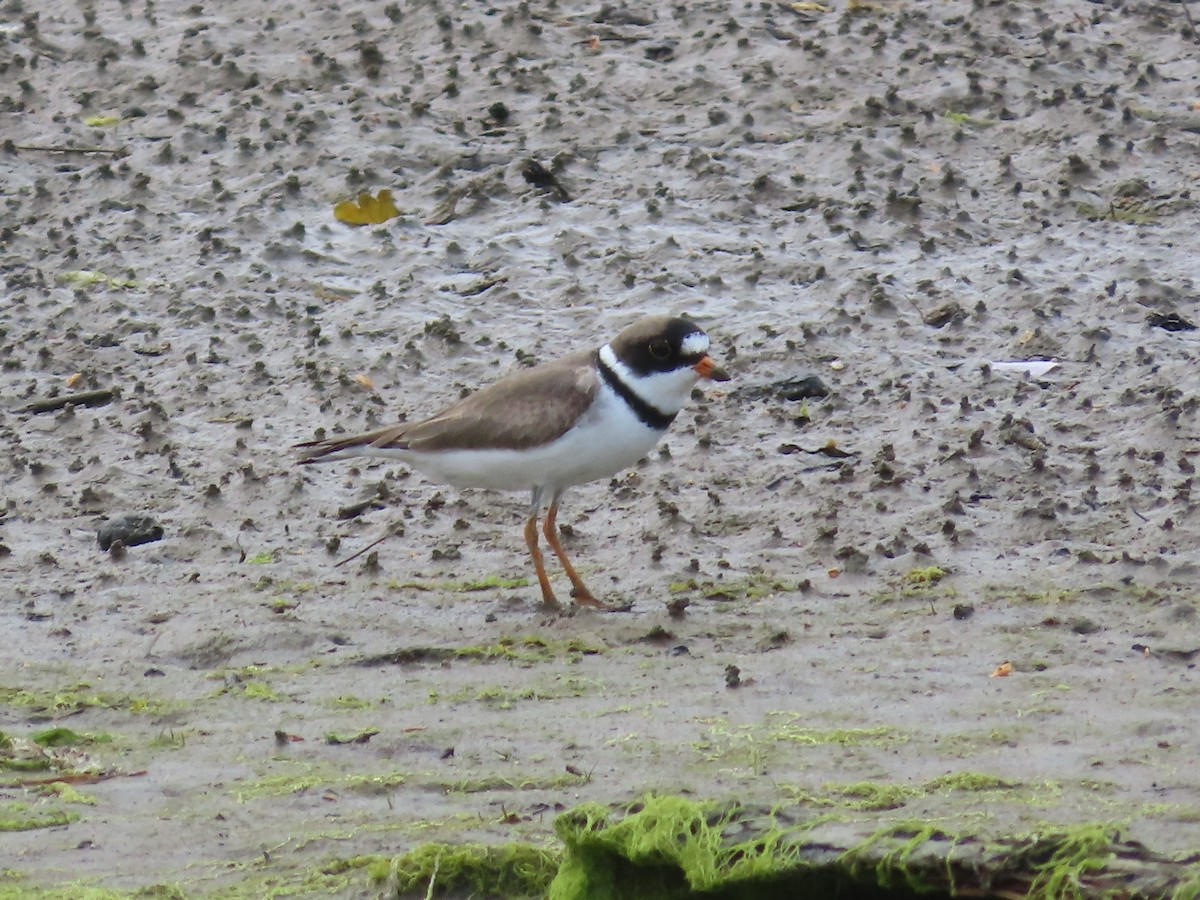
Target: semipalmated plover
(566,422)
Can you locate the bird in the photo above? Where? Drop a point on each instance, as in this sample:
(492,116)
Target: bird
(545,429)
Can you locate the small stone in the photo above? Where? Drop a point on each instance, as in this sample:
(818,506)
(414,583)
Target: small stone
(1084,625)
(130,531)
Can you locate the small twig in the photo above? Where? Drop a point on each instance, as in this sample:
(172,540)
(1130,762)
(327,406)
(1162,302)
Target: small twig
(398,528)
(86,398)
(73,778)
(444,212)
(40,148)
(482,285)
(354,510)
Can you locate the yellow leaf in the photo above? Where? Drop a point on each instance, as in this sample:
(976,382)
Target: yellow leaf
(87,278)
(101,121)
(810,7)
(367,210)
(73,380)
(365,381)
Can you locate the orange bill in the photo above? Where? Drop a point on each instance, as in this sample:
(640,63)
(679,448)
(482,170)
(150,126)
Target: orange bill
(710,370)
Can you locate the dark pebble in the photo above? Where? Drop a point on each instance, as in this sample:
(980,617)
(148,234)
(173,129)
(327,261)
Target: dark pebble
(789,389)
(129,530)
(676,607)
(1170,322)
(1082,625)
(542,178)
(498,113)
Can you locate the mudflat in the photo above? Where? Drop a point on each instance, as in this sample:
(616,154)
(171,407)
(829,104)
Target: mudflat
(930,556)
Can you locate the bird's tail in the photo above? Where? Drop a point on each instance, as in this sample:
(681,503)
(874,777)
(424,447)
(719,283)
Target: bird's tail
(370,443)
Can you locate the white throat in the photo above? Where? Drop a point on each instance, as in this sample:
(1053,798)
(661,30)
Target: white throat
(667,392)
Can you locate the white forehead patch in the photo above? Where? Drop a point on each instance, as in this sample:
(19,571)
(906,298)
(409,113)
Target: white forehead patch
(694,344)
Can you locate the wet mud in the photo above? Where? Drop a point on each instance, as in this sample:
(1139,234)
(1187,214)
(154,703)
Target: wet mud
(880,574)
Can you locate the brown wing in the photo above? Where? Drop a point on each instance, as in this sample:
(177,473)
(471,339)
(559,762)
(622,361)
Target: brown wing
(525,409)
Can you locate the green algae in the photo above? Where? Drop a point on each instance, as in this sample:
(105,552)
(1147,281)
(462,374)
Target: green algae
(349,701)
(65,793)
(84,892)
(1048,597)
(55,750)
(666,847)
(671,847)
(259,690)
(35,764)
(507,783)
(877,796)
(753,745)
(868,795)
(347,877)
(488,583)
(306,777)
(1084,849)
(378,783)
(278,786)
(362,736)
(506,698)
(961,119)
(970,781)
(513,871)
(527,649)
(927,575)
(59,737)
(888,855)
(168,739)
(1054,864)
(1136,214)
(283,585)
(77,697)
(312,778)
(17,816)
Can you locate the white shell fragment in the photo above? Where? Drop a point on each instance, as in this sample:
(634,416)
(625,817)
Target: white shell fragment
(1033,367)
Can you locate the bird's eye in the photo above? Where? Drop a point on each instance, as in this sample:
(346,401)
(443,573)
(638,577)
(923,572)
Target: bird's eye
(660,349)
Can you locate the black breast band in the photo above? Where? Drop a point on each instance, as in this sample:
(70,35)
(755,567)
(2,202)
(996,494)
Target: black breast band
(647,414)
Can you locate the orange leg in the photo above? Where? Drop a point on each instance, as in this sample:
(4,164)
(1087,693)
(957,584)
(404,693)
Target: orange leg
(579,591)
(531,541)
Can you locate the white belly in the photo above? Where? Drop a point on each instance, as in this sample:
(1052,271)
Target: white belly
(607,439)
